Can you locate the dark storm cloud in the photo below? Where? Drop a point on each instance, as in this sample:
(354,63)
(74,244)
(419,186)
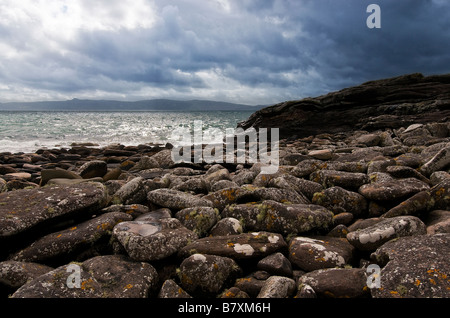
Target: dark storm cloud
(255,52)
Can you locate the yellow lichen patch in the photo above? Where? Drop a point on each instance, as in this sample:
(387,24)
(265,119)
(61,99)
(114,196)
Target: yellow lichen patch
(73,228)
(87,284)
(417,282)
(59,235)
(129,286)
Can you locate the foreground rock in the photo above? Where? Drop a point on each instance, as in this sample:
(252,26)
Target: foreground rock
(100,277)
(24,210)
(414,267)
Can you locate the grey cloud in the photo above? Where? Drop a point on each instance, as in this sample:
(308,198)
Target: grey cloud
(288,49)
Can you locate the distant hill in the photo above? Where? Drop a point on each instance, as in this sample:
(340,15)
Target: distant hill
(113,105)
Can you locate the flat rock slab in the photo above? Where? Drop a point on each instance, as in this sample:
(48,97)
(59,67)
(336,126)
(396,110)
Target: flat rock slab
(14,274)
(241,246)
(415,267)
(272,216)
(337,282)
(22,210)
(176,200)
(372,237)
(111,276)
(72,240)
(392,190)
(152,240)
(321,252)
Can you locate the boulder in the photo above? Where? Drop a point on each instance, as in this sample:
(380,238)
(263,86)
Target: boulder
(337,282)
(277,287)
(133,192)
(154,239)
(71,242)
(176,200)
(339,200)
(276,264)
(321,252)
(109,276)
(414,267)
(439,162)
(346,180)
(372,237)
(207,275)
(241,246)
(14,274)
(199,220)
(281,218)
(23,210)
(170,289)
(92,169)
(392,190)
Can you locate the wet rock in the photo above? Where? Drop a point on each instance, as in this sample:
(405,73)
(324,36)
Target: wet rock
(372,237)
(199,220)
(321,252)
(207,275)
(339,200)
(22,210)
(66,245)
(281,218)
(337,282)
(177,200)
(152,240)
(110,276)
(414,267)
(277,287)
(276,264)
(392,190)
(48,174)
(92,169)
(241,246)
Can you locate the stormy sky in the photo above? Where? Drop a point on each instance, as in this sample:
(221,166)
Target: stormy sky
(243,51)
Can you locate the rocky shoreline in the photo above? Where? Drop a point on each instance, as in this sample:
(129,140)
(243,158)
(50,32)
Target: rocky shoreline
(131,223)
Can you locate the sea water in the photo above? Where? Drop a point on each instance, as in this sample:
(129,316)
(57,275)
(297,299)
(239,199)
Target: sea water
(28,131)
